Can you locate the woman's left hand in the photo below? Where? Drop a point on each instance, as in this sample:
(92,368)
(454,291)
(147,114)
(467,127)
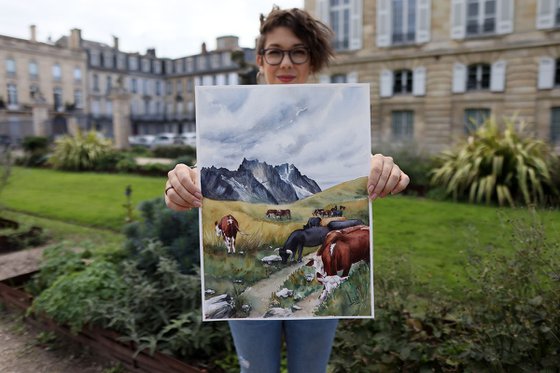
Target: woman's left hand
(385,177)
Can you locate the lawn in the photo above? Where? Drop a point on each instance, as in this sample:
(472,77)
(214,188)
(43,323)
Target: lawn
(434,236)
(86,198)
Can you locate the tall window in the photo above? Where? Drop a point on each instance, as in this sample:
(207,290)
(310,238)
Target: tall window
(158,88)
(77,74)
(33,70)
(179,88)
(12,95)
(169,87)
(78,98)
(133,62)
(339,18)
(478,76)
(95,83)
(190,85)
(557,72)
(33,90)
(481,17)
(109,84)
(474,118)
(134,85)
(10,67)
(402,82)
(555,125)
(57,72)
(402,125)
(404,21)
(57,98)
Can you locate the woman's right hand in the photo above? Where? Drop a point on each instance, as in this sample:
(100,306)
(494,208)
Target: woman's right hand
(182,191)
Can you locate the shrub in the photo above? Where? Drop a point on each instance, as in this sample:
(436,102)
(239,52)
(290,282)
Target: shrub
(36,150)
(80,153)
(174,151)
(506,167)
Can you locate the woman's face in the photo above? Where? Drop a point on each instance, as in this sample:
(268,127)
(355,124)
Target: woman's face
(286,72)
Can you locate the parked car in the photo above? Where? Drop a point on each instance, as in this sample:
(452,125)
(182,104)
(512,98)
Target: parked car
(188,138)
(141,140)
(166,139)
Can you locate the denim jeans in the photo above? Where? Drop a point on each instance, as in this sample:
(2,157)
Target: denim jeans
(308,343)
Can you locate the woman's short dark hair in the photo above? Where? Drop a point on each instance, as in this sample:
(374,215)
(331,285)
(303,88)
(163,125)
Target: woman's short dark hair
(313,33)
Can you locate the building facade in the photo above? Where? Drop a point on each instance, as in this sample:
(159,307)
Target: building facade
(72,83)
(438,68)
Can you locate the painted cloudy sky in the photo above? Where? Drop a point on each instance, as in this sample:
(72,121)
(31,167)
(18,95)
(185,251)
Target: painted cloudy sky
(322,129)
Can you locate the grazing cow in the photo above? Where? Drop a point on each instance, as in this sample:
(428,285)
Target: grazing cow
(312,222)
(318,212)
(299,238)
(271,213)
(339,251)
(284,214)
(228,228)
(341,224)
(334,212)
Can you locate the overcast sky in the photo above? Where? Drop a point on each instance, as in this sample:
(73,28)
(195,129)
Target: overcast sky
(175,28)
(323,131)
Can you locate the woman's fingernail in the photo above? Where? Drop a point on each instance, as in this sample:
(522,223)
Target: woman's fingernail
(198,195)
(373,196)
(370,189)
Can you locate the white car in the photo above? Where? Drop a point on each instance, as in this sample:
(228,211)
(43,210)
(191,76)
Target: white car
(166,139)
(188,138)
(141,140)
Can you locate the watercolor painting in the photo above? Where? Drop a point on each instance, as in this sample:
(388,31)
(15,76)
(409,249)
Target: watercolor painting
(285,226)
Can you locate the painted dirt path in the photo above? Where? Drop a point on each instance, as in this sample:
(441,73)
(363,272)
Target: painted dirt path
(258,295)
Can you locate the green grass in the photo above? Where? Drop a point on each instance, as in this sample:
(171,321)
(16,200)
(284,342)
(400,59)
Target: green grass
(86,198)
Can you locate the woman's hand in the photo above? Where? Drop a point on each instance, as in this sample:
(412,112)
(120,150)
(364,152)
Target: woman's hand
(385,177)
(182,191)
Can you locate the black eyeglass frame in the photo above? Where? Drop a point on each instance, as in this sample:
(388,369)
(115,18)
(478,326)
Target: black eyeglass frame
(284,51)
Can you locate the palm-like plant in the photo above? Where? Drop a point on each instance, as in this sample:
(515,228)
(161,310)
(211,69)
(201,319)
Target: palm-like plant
(506,166)
(80,152)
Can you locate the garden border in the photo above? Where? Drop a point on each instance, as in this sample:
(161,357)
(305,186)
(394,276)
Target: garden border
(104,342)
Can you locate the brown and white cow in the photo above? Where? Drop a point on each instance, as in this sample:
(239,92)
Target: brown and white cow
(227,228)
(339,251)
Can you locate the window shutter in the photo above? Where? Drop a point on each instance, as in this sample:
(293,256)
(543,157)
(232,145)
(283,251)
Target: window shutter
(545,14)
(458,19)
(324,79)
(419,81)
(356,24)
(423,20)
(459,78)
(322,11)
(498,76)
(386,80)
(384,26)
(352,77)
(504,16)
(547,65)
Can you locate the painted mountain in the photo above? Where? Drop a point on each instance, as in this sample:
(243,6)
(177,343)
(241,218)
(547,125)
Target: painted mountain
(257,182)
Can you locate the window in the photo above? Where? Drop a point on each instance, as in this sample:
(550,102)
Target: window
(133,61)
(190,64)
(108,60)
(474,118)
(10,67)
(404,21)
(77,74)
(481,17)
(94,58)
(402,125)
(57,98)
(109,84)
(557,73)
(57,72)
(134,85)
(557,18)
(12,95)
(402,82)
(33,70)
(339,17)
(121,61)
(109,108)
(158,88)
(215,60)
(33,90)
(145,86)
(478,76)
(338,78)
(190,84)
(226,59)
(548,14)
(555,125)
(178,66)
(78,98)
(95,83)
(157,67)
(145,65)
(179,88)
(169,88)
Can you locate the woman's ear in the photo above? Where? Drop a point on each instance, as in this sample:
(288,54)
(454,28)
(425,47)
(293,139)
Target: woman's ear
(259,60)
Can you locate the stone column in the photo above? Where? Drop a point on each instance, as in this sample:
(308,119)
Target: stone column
(40,113)
(121,115)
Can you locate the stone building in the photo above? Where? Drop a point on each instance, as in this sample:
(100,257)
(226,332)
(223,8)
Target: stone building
(438,68)
(42,86)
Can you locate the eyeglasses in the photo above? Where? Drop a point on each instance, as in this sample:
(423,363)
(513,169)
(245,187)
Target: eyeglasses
(274,56)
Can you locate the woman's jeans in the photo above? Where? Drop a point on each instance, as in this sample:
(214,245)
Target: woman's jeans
(308,343)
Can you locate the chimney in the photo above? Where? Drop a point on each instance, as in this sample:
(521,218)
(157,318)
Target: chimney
(203,49)
(75,38)
(229,42)
(115,42)
(151,52)
(33,30)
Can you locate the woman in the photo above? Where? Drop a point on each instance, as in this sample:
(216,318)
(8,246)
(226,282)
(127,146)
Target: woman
(292,46)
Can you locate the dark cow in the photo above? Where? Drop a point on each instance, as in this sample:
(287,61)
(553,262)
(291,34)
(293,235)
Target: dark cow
(228,228)
(312,222)
(341,224)
(318,212)
(299,238)
(339,251)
